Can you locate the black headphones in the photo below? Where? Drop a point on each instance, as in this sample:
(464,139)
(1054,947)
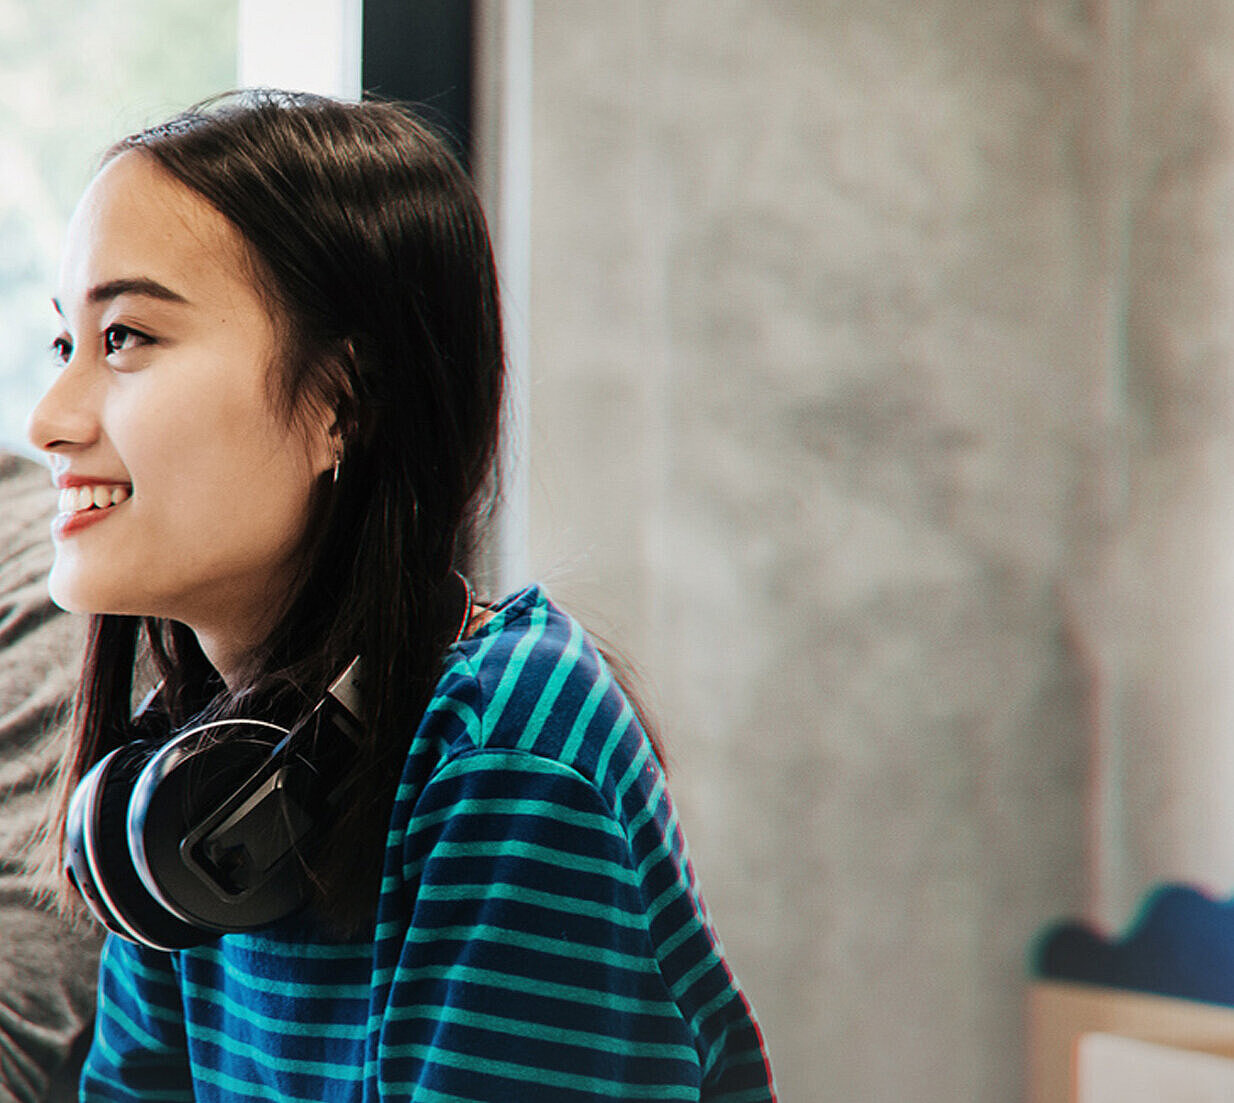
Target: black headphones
(173,843)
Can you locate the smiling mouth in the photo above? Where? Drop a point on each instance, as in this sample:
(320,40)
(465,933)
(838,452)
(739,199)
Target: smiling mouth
(78,499)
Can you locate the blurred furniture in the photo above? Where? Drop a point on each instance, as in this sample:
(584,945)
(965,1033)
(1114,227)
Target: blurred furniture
(1149,1016)
(1114,1069)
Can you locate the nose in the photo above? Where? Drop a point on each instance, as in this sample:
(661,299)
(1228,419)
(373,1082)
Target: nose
(65,418)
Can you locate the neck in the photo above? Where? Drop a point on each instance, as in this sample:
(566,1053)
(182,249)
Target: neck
(228,655)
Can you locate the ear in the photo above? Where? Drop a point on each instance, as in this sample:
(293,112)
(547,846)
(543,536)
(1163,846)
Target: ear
(323,438)
(331,420)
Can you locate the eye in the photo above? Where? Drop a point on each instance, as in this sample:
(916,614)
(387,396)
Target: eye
(61,349)
(118,338)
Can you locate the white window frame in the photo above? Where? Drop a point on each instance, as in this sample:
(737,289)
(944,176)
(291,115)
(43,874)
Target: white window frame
(302,45)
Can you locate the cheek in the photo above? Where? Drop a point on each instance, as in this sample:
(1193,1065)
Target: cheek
(224,465)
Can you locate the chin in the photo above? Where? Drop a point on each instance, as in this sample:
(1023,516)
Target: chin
(74,593)
(69,601)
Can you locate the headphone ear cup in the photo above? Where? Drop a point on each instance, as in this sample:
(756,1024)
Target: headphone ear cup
(206,774)
(99,858)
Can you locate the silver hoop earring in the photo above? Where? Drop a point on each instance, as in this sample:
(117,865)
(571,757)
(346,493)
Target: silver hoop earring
(338,459)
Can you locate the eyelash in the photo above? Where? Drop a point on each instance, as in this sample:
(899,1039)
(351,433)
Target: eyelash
(117,334)
(113,337)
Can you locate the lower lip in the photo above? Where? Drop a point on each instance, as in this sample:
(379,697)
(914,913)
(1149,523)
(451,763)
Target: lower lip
(70,524)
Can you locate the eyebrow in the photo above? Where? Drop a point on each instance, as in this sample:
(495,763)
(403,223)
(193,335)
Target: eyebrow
(134,285)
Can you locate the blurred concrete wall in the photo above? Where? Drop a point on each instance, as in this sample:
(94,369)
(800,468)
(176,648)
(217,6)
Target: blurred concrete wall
(1168,749)
(880,410)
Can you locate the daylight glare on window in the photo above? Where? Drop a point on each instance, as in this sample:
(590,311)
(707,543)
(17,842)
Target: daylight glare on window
(74,76)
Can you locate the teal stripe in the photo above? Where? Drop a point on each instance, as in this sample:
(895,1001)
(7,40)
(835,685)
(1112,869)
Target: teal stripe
(664,850)
(613,741)
(116,1059)
(688,930)
(670,840)
(425,1095)
(633,770)
(114,1013)
(463,710)
(518,806)
(485,638)
(702,1014)
(136,966)
(750,1095)
(682,985)
(564,667)
(234,1086)
(578,730)
(653,803)
(505,762)
(560,947)
(525,1028)
(546,810)
(265,1058)
(281,987)
(445,852)
(666,899)
(751,1056)
(510,676)
(744,1058)
(510,982)
(318,951)
(481,892)
(712,1006)
(658,855)
(169,1012)
(498,806)
(351,1032)
(600,1086)
(557,902)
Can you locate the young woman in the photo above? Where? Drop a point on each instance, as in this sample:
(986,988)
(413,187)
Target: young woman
(274,435)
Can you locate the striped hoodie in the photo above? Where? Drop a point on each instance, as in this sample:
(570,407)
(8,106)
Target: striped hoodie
(539,935)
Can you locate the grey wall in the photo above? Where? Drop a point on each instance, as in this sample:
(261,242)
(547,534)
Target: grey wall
(876,350)
(1168,745)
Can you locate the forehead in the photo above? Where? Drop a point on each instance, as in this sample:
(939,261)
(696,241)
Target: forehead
(135,221)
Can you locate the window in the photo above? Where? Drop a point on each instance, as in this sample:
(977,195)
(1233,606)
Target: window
(74,76)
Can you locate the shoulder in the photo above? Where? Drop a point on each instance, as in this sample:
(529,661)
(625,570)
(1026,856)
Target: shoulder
(531,682)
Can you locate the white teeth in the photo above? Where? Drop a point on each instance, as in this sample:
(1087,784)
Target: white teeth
(74,499)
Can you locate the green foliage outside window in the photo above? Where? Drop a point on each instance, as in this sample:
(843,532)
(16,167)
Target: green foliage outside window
(74,76)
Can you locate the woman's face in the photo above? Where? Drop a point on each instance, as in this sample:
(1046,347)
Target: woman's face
(184,493)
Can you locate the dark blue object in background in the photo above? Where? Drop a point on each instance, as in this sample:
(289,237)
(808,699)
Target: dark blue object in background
(1181,944)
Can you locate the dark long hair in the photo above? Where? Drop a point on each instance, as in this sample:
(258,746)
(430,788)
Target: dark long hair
(369,244)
